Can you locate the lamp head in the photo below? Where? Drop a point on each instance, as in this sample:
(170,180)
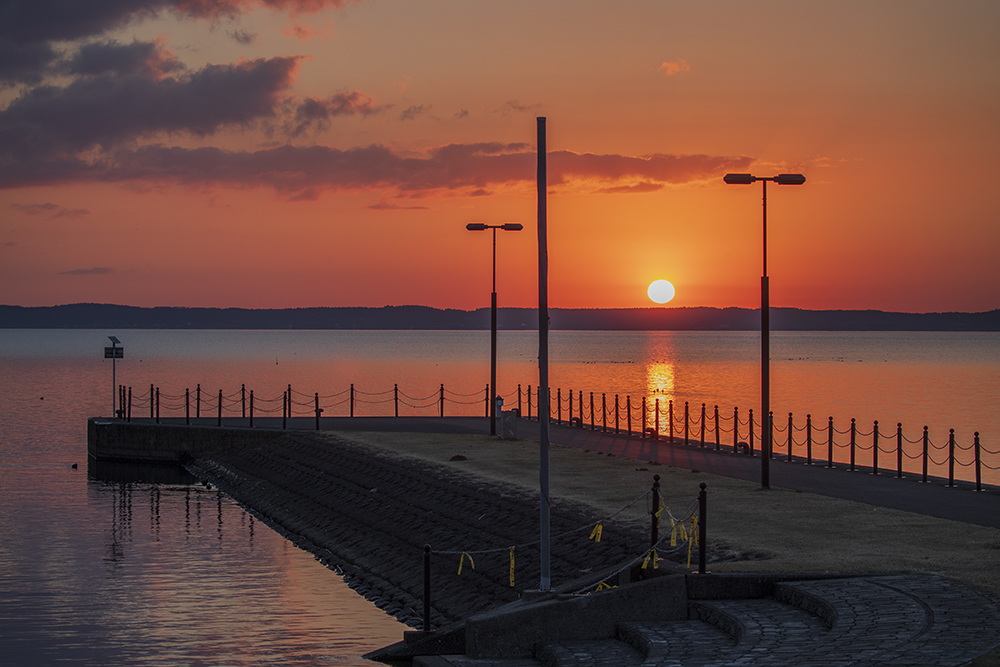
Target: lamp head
(789,179)
(739,179)
(476,226)
(512,226)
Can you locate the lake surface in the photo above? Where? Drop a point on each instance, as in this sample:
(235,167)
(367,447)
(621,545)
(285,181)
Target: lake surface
(97,572)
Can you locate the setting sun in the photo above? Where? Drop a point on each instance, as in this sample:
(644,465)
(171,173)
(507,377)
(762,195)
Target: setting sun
(660,291)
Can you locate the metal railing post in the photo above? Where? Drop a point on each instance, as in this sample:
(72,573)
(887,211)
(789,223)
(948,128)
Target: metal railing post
(580,399)
(591,411)
(925,454)
(243,399)
(604,413)
(899,449)
(157,405)
(750,429)
(318,410)
(790,439)
(559,406)
(702,424)
(187,405)
(656,420)
(670,419)
(809,440)
(875,449)
(617,416)
(979,471)
(645,420)
(130,404)
(197,401)
(736,430)
(718,444)
(519,413)
(441,399)
(854,441)
(829,444)
(219,421)
(352,400)
(951,458)
(395,400)
(251,408)
(628,413)
(687,423)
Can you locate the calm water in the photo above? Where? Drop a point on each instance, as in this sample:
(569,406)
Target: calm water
(98,572)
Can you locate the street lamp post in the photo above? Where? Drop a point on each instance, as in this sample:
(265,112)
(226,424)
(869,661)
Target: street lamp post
(481,227)
(765,324)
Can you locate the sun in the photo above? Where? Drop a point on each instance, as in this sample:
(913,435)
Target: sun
(660,291)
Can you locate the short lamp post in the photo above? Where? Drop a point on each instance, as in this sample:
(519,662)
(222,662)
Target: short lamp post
(481,227)
(765,324)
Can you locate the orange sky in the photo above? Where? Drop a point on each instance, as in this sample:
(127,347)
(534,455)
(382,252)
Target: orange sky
(287,153)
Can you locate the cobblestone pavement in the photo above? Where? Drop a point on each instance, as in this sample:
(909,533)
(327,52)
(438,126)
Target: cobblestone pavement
(895,621)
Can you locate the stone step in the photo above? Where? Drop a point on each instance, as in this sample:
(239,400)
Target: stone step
(677,643)
(594,653)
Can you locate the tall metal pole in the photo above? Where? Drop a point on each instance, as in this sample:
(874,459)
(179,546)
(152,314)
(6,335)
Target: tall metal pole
(114,381)
(493,343)
(765,363)
(543,362)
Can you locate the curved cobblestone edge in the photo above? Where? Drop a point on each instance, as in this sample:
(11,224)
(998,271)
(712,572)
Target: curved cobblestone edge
(366,514)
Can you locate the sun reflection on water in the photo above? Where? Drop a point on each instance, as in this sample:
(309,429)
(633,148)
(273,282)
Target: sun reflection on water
(660,380)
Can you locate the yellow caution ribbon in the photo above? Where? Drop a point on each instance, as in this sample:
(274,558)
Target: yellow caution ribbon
(595,534)
(603,587)
(658,513)
(461,562)
(651,554)
(512,567)
(694,536)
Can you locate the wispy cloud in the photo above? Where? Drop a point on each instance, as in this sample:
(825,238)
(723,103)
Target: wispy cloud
(51,210)
(411,113)
(672,68)
(511,107)
(95,271)
(306,172)
(389,206)
(305,32)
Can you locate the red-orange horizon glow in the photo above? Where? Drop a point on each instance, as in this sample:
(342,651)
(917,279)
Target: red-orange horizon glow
(330,154)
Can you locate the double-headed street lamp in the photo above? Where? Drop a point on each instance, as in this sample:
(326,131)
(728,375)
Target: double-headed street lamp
(481,227)
(765,324)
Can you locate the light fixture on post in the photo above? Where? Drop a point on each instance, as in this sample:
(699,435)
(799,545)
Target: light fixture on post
(482,227)
(765,324)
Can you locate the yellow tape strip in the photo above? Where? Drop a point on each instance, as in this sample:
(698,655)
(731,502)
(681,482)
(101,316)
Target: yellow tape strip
(512,567)
(595,534)
(461,562)
(603,587)
(694,537)
(651,554)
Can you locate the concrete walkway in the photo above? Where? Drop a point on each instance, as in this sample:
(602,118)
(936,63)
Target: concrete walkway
(935,498)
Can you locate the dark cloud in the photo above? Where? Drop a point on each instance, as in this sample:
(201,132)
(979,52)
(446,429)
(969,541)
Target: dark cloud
(38,21)
(110,108)
(313,111)
(95,271)
(29,28)
(51,210)
(242,36)
(411,113)
(24,63)
(114,58)
(306,172)
(464,113)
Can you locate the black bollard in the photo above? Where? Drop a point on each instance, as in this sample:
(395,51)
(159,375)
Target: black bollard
(654,530)
(702,511)
(427,589)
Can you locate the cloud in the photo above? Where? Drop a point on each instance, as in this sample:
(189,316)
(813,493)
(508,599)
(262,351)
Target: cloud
(52,210)
(464,113)
(110,108)
(306,32)
(319,111)
(679,67)
(242,36)
(30,29)
(306,172)
(95,271)
(411,113)
(513,106)
(148,58)
(387,206)
(642,186)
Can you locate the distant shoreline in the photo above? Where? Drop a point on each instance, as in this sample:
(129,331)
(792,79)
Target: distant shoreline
(110,316)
